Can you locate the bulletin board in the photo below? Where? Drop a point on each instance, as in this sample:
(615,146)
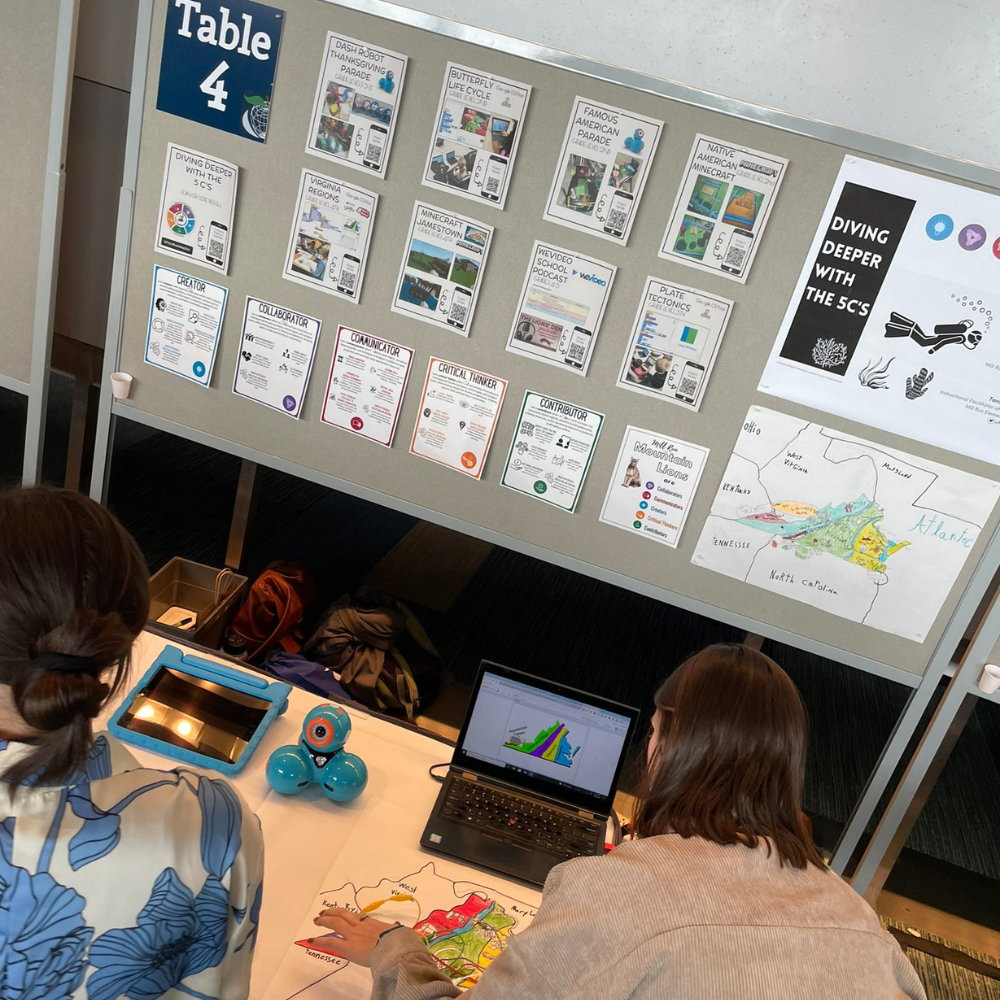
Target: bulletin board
(269,178)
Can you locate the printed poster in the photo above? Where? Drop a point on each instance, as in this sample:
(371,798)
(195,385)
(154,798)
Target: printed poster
(331,231)
(674,342)
(863,531)
(442,269)
(722,207)
(459,409)
(196,207)
(479,122)
(653,485)
(367,381)
(185,317)
(602,169)
(552,449)
(561,307)
(277,348)
(891,321)
(357,100)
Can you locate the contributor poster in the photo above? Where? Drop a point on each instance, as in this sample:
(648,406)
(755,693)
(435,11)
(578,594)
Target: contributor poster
(602,169)
(185,317)
(675,339)
(477,130)
(367,381)
(552,449)
(722,207)
(331,232)
(653,484)
(196,208)
(854,528)
(891,321)
(277,348)
(356,104)
(459,409)
(442,269)
(561,307)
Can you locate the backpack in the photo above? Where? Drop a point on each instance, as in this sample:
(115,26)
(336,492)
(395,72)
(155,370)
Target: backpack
(384,657)
(278,602)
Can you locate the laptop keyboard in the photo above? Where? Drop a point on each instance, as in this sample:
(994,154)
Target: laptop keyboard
(518,821)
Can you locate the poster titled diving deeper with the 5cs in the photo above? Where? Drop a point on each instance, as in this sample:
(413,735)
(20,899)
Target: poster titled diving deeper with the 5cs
(356,104)
(602,169)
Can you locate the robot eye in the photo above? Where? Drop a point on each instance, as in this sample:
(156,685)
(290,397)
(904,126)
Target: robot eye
(319,732)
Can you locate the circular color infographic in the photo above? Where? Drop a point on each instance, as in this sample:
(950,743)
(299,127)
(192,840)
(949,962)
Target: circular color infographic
(180,219)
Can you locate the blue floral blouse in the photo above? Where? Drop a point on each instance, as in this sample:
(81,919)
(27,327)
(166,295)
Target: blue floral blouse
(127,882)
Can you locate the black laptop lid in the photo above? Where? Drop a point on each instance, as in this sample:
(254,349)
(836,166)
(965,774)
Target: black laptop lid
(545,737)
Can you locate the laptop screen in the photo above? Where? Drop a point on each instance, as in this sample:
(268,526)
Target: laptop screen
(545,737)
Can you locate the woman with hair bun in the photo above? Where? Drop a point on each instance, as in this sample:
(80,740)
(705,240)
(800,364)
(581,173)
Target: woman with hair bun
(115,880)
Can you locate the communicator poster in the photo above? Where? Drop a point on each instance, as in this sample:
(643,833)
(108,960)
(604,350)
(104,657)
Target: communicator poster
(891,320)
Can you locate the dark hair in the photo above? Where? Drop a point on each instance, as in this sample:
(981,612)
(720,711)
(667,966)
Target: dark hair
(72,581)
(729,762)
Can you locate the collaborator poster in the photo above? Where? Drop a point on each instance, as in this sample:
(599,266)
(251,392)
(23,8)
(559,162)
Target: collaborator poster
(442,268)
(196,207)
(561,307)
(722,207)
(891,320)
(653,485)
(367,381)
(356,104)
(185,317)
(853,528)
(459,409)
(674,342)
(478,127)
(602,169)
(552,449)
(331,232)
(277,348)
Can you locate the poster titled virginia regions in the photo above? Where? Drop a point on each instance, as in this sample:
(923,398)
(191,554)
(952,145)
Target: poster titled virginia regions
(891,321)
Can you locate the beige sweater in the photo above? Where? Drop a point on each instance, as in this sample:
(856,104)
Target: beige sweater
(671,918)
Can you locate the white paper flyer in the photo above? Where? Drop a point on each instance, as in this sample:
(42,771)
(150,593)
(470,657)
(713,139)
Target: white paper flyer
(674,342)
(356,104)
(444,262)
(185,317)
(602,168)
(722,207)
(331,232)
(478,127)
(367,381)
(561,307)
(653,485)
(459,409)
(552,449)
(196,208)
(277,348)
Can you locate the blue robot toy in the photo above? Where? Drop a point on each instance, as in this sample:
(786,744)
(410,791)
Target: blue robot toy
(320,757)
(387,83)
(634,143)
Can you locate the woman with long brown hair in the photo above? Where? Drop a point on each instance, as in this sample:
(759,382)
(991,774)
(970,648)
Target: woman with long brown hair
(721,896)
(115,880)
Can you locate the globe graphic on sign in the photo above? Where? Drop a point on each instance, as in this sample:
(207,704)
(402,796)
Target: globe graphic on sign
(180,219)
(255,116)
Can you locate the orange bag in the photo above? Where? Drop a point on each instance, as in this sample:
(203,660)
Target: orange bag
(281,598)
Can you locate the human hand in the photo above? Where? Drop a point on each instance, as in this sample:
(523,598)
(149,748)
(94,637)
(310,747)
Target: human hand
(354,934)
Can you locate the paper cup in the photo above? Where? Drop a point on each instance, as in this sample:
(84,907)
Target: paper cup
(121,385)
(989,681)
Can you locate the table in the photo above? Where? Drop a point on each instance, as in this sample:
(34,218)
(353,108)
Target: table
(303,834)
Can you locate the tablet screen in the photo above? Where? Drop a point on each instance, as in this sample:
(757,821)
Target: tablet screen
(195,714)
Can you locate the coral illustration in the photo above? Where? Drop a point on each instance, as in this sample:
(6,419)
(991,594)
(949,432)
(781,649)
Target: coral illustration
(875,375)
(916,385)
(829,353)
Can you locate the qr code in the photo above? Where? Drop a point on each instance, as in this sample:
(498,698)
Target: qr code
(458,312)
(735,256)
(617,220)
(215,249)
(688,388)
(576,353)
(492,185)
(374,153)
(347,280)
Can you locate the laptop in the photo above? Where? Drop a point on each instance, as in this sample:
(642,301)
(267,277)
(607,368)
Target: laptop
(533,776)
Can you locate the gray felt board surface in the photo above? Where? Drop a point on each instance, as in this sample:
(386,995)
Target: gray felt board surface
(27,67)
(269,178)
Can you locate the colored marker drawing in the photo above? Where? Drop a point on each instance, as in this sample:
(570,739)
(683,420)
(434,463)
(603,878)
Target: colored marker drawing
(550,744)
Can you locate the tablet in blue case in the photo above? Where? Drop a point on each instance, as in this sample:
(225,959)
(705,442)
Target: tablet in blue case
(207,714)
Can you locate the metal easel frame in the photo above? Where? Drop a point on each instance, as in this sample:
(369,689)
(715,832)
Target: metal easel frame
(940,661)
(37,387)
